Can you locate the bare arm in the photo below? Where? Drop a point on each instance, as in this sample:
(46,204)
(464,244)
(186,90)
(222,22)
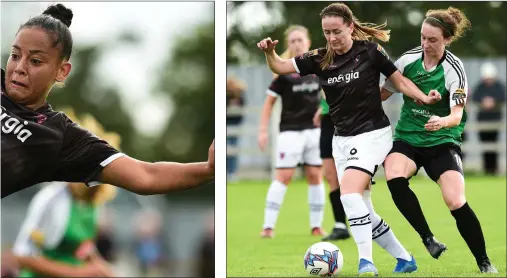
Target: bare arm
(275,63)
(435,122)
(408,88)
(52,268)
(146,178)
(262,137)
(279,65)
(267,108)
(385,94)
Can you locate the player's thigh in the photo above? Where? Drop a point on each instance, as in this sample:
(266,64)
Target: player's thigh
(364,153)
(311,152)
(330,173)
(443,158)
(289,149)
(446,169)
(401,161)
(339,157)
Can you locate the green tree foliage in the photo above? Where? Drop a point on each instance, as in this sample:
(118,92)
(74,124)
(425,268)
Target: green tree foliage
(485,39)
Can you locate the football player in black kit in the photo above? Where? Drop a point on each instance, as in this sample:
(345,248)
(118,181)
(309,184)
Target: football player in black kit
(349,70)
(40,144)
(298,140)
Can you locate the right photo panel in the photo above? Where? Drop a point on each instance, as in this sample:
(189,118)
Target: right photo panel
(366,138)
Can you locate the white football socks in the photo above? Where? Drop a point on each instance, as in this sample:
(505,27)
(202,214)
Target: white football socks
(382,233)
(316,200)
(360,223)
(274,201)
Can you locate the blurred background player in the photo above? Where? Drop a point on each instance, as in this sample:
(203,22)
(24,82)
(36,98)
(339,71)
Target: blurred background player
(430,136)
(323,120)
(298,140)
(489,95)
(57,238)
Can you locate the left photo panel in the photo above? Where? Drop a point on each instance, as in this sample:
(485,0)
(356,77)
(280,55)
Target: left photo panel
(107,131)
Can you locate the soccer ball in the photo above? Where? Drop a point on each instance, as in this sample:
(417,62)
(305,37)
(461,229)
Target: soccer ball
(323,259)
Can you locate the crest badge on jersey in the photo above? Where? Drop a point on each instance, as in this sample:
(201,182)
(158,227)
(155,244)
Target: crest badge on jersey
(311,53)
(459,96)
(382,50)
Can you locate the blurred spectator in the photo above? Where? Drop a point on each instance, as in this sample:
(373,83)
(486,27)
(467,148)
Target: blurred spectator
(490,96)
(235,98)
(150,248)
(105,238)
(207,252)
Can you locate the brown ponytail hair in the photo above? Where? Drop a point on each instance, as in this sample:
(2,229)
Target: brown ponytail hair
(362,31)
(451,21)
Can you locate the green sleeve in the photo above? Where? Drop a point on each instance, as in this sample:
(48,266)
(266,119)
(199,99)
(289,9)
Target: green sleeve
(324,106)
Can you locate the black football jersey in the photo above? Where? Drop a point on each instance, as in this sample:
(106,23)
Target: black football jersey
(45,145)
(300,100)
(351,85)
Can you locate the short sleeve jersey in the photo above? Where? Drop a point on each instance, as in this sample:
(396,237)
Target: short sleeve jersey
(449,78)
(351,84)
(300,100)
(45,145)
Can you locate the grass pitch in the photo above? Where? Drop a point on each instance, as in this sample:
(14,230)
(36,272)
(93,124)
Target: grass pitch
(249,255)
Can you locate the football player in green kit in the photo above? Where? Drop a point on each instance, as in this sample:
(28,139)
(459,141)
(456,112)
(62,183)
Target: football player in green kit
(430,136)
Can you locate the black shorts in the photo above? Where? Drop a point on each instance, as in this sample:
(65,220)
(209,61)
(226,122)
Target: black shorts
(326,137)
(435,160)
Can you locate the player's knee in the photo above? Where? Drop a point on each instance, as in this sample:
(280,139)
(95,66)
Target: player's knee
(333,183)
(393,172)
(455,202)
(314,177)
(284,177)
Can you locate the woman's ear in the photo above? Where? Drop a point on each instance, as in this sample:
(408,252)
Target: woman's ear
(63,72)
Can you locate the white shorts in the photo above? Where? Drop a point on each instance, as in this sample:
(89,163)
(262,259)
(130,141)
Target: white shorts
(364,152)
(295,147)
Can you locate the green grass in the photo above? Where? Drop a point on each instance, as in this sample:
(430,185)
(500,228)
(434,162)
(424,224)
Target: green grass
(249,255)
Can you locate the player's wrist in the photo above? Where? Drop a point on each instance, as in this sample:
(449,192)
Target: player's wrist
(444,122)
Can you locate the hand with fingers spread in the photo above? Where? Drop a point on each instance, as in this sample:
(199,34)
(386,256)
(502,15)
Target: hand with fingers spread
(267,45)
(435,123)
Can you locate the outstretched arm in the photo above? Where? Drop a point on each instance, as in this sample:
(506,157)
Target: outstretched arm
(146,178)
(276,64)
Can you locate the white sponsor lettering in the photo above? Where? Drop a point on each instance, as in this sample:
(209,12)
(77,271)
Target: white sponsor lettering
(306,87)
(343,77)
(421,112)
(14,126)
